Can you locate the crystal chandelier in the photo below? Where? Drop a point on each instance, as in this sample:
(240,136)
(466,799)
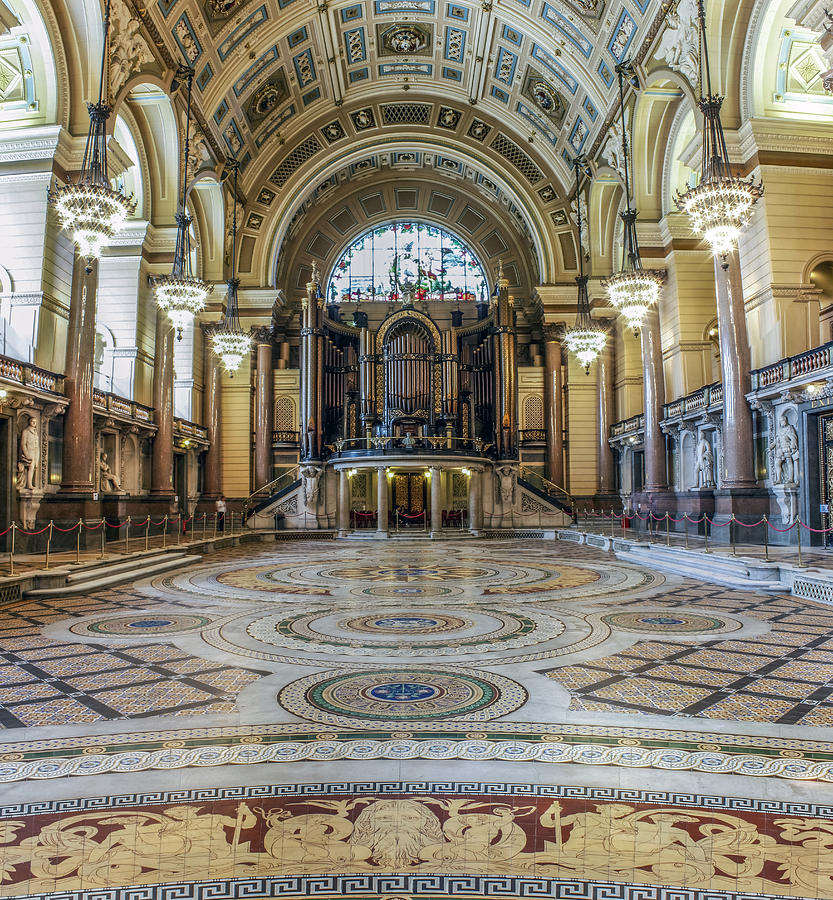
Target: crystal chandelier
(229,341)
(181,294)
(720,205)
(90,210)
(633,290)
(586,339)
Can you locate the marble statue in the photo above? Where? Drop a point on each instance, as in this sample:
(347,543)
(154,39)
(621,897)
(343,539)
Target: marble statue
(785,459)
(680,44)
(704,464)
(109,482)
(28,455)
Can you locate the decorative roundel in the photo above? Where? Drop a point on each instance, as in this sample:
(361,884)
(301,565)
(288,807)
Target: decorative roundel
(415,633)
(405,591)
(405,40)
(401,695)
(405,624)
(663,622)
(143,625)
(545,96)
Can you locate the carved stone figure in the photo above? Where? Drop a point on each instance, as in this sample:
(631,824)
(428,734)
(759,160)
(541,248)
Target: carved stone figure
(785,453)
(28,456)
(506,480)
(311,476)
(704,463)
(680,43)
(128,49)
(108,480)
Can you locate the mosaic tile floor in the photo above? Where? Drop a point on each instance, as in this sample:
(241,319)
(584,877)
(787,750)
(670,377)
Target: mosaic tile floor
(375,719)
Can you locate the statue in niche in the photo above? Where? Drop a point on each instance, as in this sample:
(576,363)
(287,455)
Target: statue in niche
(110,484)
(704,464)
(28,456)
(311,476)
(785,450)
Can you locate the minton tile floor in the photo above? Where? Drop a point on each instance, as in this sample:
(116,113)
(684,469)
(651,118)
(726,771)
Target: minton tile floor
(414,718)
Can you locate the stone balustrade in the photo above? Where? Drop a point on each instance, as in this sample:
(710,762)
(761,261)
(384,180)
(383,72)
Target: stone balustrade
(815,363)
(32,376)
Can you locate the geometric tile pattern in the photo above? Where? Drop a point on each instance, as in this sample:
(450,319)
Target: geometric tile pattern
(784,676)
(45,682)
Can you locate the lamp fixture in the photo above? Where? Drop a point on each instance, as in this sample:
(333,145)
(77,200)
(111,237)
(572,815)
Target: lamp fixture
(720,205)
(586,339)
(89,209)
(181,294)
(633,290)
(230,343)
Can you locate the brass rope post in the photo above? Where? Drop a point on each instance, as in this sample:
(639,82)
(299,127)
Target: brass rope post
(48,543)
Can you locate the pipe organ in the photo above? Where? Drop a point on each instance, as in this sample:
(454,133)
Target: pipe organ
(408,375)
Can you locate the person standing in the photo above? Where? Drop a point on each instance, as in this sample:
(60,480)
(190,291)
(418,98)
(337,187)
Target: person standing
(220,508)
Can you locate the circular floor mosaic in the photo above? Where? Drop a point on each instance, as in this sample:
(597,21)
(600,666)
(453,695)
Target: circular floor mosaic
(411,633)
(393,696)
(405,623)
(416,576)
(142,625)
(665,622)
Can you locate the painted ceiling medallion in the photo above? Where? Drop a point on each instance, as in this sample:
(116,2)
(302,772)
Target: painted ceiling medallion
(545,96)
(266,99)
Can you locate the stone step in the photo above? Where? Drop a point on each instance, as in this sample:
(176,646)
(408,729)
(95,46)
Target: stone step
(86,573)
(732,571)
(102,579)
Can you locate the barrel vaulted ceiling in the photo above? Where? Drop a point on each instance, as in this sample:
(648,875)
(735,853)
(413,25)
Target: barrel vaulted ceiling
(501,94)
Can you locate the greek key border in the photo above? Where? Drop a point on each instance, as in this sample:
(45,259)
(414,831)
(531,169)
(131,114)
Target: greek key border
(483,788)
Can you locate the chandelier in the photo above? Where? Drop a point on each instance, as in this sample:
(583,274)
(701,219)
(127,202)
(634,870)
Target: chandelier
(586,339)
(720,205)
(229,341)
(633,290)
(181,294)
(90,210)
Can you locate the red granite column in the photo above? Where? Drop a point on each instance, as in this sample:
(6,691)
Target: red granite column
(735,362)
(264,412)
(212,402)
(78,384)
(604,379)
(553,401)
(162,460)
(653,385)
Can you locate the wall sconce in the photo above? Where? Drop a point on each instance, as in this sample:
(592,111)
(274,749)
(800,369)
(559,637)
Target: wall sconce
(466,472)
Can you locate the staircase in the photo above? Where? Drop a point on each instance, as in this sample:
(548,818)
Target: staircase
(98,575)
(546,490)
(270,493)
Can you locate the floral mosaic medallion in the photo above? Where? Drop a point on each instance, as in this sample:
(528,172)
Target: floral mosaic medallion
(670,622)
(353,699)
(142,625)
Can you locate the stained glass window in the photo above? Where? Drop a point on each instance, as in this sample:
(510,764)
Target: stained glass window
(437,264)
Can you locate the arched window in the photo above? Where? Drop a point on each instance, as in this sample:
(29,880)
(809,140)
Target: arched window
(436,262)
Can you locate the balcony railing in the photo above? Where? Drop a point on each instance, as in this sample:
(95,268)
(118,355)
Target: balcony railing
(27,374)
(634,423)
(533,435)
(793,367)
(284,437)
(397,446)
(120,406)
(190,431)
(698,401)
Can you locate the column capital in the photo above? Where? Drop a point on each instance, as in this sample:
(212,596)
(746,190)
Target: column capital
(554,331)
(262,334)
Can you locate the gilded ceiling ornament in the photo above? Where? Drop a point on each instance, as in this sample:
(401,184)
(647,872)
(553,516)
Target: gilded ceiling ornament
(406,39)
(545,96)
